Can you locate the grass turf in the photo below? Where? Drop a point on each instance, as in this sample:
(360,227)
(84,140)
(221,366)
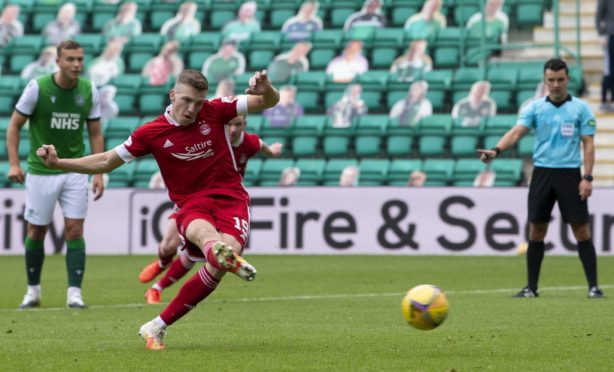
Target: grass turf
(319,313)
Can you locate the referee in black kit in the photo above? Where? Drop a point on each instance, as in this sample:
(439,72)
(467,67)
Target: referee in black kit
(561,123)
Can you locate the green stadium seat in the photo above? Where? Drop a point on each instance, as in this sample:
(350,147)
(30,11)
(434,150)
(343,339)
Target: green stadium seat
(196,59)
(450,36)
(394,96)
(143,171)
(122,176)
(319,58)
(100,16)
(502,77)
(372,99)
(219,17)
(266,40)
(309,81)
(146,42)
(41,17)
(465,171)
(305,146)
(91,43)
(260,59)
(389,37)
(499,124)
(399,146)
(400,169)
(121,127)
(336,146)
(464,146)
(272,170)
(529,77)
(367,146)
(465,77)
(151,103)
(279,16)
(382,57)
(128,83)
(254,123)
(205,41)
(137,60)
(111,143)
(439,79)
(4,165)
(373,172)
(438,171)
(252,172)
(27,44)
(309,125)
(503,98)
(436,124)
(331,97)
(431,146)
(464,10)
(508,171)
(402,13)
(19,60)
(309,100)
(160,13)
(338,16)
(326,39)
(312,171)
(446,57)
(3,155)
(437,98)
(333,170)
(127,103)
(529,13)
(459,129)
(374,80)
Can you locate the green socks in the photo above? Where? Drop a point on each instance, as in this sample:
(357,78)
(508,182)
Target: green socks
(35,255)
(75,261)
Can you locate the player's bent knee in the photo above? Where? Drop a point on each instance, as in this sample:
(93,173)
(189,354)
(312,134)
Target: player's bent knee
(581,232)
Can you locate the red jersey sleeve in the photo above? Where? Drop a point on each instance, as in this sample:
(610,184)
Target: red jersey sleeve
(230,107)
(137,145)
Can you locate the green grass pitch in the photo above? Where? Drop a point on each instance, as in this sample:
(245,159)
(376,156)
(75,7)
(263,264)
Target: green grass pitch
(317,313)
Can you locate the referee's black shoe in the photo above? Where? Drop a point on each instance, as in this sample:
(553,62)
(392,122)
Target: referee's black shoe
(595,292)
(526,292)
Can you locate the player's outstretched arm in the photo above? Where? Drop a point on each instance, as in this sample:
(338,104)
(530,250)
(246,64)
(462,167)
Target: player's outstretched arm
(261,93)
(273,150)
(103,162)
(508,140)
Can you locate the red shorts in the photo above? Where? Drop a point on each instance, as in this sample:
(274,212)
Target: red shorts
(228,215)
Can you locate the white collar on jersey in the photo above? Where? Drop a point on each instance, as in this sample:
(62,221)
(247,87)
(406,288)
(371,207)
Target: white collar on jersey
(169,118)
(239,141)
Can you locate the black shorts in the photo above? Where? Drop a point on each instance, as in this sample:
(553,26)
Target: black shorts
(556,184)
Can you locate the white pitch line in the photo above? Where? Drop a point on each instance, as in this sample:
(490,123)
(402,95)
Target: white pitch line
(320,297)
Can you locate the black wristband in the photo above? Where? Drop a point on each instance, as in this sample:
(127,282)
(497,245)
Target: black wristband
(496,150)
(588,177)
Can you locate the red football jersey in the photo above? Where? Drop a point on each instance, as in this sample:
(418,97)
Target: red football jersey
(248,146)
(196,159)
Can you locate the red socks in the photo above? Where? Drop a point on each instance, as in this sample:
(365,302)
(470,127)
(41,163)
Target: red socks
(196,289)
(209,256)
(177,270)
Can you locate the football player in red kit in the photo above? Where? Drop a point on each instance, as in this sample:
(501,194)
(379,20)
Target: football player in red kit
(190,145)
(244,146)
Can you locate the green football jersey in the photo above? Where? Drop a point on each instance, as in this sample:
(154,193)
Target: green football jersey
(57,116)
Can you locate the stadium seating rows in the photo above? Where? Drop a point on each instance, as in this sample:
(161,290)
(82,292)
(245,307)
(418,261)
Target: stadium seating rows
(319,171)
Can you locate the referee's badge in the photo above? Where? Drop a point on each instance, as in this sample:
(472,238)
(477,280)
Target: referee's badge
(79,100)
(592,123)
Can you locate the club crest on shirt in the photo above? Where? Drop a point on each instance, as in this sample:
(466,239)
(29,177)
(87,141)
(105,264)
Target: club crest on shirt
(79,100)
(229,99)
(242,159)
(205,129)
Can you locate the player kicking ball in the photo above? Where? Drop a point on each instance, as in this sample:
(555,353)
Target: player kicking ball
(244,146)
(195,158)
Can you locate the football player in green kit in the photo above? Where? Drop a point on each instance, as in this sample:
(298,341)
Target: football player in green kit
(58,106)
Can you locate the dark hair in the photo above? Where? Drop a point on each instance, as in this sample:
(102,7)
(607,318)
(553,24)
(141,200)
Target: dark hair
(193,78)
(69,45)
(556,64)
